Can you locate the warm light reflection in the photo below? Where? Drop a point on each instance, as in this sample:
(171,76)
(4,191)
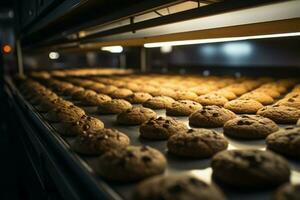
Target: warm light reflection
(6,48)
(214,40)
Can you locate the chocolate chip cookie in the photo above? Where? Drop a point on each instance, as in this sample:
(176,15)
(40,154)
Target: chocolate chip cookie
(159,102)
(64,114)
(121,93)
(243,106)
(138,97)
(46,106)
(261,97)
(135,116)
(177,187)
(203,89)
(225,93)
(183,108)
(99,141)
(286,141)
(210,116)
(237,88)
(161,128)
(212,99)
(290,102)
(185,95)
(94,100)
(250,168)
(131,164)
(280,114)
(83,94)
(197,143)
(250,127)
(114,106)
(287,192)
(80,126)
(163,91)
(72,91)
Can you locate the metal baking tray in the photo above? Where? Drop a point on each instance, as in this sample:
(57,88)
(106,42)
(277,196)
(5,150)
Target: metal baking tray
(198,167)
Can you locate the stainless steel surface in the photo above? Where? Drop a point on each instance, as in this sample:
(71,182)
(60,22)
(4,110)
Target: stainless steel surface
(198,167)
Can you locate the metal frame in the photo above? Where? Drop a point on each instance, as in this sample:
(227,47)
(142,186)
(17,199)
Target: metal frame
(19,57)
(212,9)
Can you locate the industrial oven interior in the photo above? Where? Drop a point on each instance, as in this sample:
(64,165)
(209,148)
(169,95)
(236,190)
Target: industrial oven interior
(151,100)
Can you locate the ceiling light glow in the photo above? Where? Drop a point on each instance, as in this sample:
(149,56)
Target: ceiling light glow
(54,55)
(166,49)
(113,49)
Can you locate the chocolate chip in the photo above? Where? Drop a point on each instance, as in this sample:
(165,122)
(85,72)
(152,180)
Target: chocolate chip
(166,125)
(175,189)
(215,114)
(130,154)
(150,123)
(146,159)
(291,100)
(144,148)
(243,122)
(86,127)
(190,130)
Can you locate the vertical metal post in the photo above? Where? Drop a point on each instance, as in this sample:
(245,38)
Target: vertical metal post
(20,58)
(143,60)
(122,61)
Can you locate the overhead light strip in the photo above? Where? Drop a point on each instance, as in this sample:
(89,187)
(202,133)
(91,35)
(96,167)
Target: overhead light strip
(215,40)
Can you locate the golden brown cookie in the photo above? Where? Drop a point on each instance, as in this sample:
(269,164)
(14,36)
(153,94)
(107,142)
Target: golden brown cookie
(185,95)
(210,116)
(114,106)
(197,143)
(183,108)
(285,142)
(225,93)
(85,124)
(131,164)
(243,106)
(212,99)
(250,127)
(250,168)
(177,187)
(99,142)
(280,114)
(64,114)
(135,116)
(261,97)
(161,128)
(138,97)
(159,102)
(121,93)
